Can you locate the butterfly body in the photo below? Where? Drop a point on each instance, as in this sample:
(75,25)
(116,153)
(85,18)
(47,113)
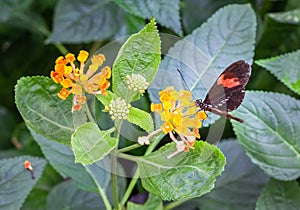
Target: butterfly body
(227,93)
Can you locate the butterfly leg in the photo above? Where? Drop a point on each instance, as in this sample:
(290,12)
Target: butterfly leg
(225,114)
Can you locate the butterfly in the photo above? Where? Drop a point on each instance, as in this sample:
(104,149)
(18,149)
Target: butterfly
(228,91)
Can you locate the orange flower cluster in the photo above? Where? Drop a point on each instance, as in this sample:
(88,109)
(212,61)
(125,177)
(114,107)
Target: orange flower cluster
(76,82)
(181,115)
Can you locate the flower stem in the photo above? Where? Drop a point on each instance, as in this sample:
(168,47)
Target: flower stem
(114,163)
(130,187)
(88,113)
(114,182)
(137,172)
(101,192)
(131,147)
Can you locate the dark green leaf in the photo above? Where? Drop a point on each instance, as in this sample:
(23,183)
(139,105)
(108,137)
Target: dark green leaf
(141,118)
(62,160)
(42,110)
(280,195)
(16,181)
(10,7)
(18,14)
(240,184)
(140,54)
(195,12)
(90,144)
(270,134)
(6,127)
(166,12)
(290,17)
(186,175)
(67,196)
(153,203)
(38,196)
(85,21)
(277,38)
(228,36)
(286,68)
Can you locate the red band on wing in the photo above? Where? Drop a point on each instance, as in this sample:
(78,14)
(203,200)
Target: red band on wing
(229,82)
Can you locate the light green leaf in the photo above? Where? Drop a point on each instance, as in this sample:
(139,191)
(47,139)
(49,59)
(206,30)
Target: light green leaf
(228,36)
(184,176)
(286,68)
(166,12)
(105,100)
(90,144)
(66,196)
(140,54)
(42,110)
(240,184)
(271,132)
(62,158)
(290,17)
(153,203)
(85,21)
(280,195)
(16,181)
(141,118)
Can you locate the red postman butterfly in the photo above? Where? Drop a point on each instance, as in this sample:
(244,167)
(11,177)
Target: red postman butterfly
(227,93)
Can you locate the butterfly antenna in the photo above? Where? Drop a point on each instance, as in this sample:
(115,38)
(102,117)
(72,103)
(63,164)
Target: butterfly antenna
(184,82)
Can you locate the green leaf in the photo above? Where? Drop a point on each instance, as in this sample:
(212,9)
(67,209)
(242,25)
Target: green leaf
(153,203)
(184,176)
(280,195)
(105,100)
(66,196)
(240,184)
(42,110)
(85,21)
(7,127)
(141,118)
(285,68)
(62,158)
(166,12)
(38,195)
(270,133)
(16,181)
(9,8)
(228,36)
(90,144)
(140,54)
(18,14)
(191,16)
(290,17)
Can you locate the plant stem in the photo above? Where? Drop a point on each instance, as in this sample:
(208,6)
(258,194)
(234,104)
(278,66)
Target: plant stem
(114,181)
(88,113)
(131,147)
(114,163)
(101,192)
(137,171)
(130,187)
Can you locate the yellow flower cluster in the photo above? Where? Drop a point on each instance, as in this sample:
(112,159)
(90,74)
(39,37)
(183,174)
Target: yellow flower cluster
(181,115)
(75,81)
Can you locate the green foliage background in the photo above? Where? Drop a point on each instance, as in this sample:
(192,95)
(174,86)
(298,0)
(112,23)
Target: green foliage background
(31,37)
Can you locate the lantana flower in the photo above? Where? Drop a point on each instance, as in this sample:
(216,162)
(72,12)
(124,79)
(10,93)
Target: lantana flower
(75,81)
(137,83)
(180,115)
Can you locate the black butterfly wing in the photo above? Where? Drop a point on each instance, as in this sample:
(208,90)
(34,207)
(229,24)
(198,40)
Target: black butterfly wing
(227,93)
